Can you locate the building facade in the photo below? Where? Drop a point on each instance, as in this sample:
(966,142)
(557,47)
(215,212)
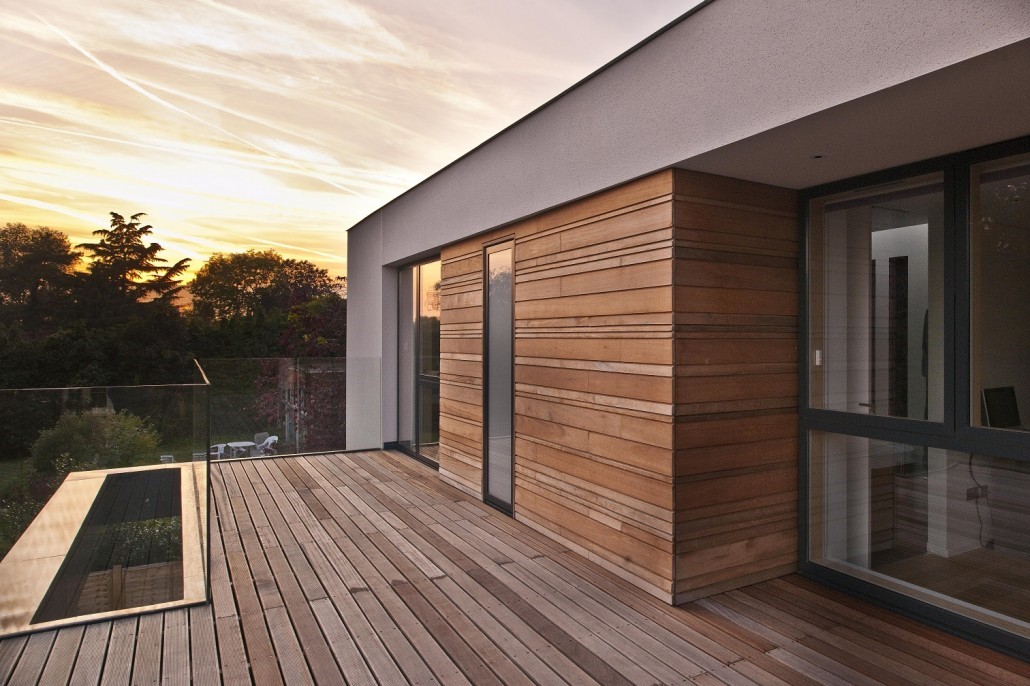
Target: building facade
(750,299)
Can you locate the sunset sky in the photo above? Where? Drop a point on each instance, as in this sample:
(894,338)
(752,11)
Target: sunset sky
(265,124)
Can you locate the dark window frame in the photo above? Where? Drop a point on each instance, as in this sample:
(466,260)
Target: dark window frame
(955,431)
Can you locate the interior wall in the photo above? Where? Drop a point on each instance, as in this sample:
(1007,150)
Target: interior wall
(736,304)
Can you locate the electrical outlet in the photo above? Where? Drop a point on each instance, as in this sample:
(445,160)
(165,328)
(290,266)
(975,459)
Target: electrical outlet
(974,492)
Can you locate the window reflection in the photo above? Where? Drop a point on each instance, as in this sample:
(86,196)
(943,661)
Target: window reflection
(418,364)
(956,534)
(1000,297)
(877,300)
(429,319)
(407,325)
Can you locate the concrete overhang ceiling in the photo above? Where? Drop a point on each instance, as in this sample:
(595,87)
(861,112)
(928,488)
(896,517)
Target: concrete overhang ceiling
(980,101)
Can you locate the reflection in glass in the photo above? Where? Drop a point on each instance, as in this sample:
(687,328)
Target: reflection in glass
(499,376)
(429,319)
(956,535)
(429,420)
(418,362)
(1000,293)
(429,361)
(877,300)
(407,319)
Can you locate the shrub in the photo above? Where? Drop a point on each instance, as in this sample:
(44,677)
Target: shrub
(95,439)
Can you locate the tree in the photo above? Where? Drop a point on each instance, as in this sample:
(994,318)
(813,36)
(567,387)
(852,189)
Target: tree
(317,328)
(124,271)
(255,283)
(36,273)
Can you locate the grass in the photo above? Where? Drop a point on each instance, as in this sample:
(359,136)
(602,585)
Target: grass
(12,470)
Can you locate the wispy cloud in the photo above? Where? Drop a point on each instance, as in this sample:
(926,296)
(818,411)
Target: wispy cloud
(241,124)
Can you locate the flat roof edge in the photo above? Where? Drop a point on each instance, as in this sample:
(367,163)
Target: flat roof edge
(618,58)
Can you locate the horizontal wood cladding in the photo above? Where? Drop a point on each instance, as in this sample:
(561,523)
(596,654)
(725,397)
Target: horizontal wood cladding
(594,365)
(656,378)
(736,382)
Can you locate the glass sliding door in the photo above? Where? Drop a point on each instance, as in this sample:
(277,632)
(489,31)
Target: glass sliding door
(428,354)
(418,368)
(918,389)
(498,337)
(407,328)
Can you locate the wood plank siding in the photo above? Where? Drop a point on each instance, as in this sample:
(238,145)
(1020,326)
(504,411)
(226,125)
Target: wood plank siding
(736,301)
(656,338)
(593,375)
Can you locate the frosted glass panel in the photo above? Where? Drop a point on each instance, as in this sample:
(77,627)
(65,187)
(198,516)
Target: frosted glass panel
(499,376)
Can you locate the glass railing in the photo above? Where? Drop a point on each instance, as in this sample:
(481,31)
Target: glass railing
(288,406)
(104,501)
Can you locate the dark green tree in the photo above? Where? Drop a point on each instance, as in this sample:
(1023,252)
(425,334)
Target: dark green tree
(126,327)
(230,286)
(37,268)
(253,304)
(126,271)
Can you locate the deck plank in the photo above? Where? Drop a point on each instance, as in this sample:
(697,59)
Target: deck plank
(203,646)
(366,568)
(61,661)
(403,636)
(347,653)
(10,653)
(598,610)
(146,665)
(175,654)
(33,658)
(89,663)
(120,649)
(430,651)
(386,621)
(232,655)
(512,635)
(972,662)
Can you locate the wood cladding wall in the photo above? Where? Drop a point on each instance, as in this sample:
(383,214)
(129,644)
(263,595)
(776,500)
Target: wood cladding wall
(594,391)
(736,303)
(656,379)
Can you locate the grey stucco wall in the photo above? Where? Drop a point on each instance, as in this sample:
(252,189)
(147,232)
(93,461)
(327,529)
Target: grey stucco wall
(733,70)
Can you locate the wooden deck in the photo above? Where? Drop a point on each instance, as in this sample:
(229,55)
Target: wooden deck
(365,568)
